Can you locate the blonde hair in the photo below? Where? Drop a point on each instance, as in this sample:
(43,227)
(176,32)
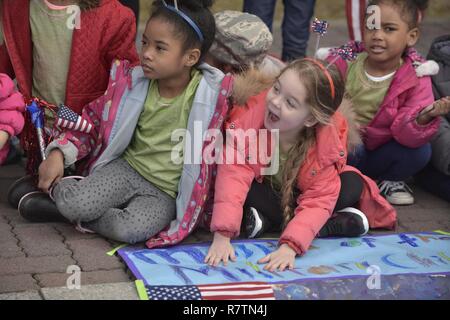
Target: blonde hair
(323,106)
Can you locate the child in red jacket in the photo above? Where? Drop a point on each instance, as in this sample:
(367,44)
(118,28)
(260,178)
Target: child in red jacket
(312,183)
(11,119)
(61,51)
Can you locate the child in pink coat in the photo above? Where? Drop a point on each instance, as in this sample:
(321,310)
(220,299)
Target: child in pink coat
(312,192)
(12,106)
(390,88)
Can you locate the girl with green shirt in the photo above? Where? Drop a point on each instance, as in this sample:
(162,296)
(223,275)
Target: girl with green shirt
(135,188)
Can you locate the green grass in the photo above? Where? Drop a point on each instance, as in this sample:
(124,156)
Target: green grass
(325,9)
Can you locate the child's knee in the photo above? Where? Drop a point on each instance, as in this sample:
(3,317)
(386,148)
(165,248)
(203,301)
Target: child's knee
(71,204)
(125,235)
(423,154)
(418,158)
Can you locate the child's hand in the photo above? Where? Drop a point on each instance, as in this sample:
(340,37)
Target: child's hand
(51,170)
(4,137)
(281,258)
(439,108)
(221,249)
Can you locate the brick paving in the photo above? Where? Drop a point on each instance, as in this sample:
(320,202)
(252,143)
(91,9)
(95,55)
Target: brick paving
(36,256)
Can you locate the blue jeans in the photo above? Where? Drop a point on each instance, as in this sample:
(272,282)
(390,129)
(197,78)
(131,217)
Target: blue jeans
(391,161)
(295,27)
(435,182)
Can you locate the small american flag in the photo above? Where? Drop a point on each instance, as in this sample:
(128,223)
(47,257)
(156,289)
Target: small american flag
(71,120)
(225,291)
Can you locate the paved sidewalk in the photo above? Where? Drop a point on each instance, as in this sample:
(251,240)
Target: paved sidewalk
(34,257)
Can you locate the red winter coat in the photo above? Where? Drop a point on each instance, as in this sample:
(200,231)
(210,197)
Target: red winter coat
(318,180)
(107,33)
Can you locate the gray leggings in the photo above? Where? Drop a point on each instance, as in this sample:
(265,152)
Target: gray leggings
(116,202)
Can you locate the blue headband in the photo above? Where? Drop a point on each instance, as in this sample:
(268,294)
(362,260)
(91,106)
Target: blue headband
(185,18)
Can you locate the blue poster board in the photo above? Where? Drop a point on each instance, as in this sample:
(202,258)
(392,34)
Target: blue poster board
(344,258)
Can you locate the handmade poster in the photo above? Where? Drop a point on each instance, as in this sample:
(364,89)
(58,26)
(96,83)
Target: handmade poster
(401,286)
(421,253)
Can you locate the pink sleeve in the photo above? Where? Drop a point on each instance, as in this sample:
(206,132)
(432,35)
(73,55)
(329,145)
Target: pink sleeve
(405,128)
(12,106)
(11,122)
(315,207)
(232,185)
(76,145)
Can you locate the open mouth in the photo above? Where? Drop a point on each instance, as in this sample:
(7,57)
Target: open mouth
(273,117)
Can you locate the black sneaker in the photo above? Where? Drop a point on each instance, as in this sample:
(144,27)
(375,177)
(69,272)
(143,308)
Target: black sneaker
(396,192)
(20,188)
(348,222)
(254,223)
(14,155)
(38,207)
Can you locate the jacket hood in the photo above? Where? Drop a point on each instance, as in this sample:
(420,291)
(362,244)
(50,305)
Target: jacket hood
(249,84)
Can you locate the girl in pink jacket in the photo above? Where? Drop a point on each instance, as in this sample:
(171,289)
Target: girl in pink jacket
(12,106)
(390,88)
(312,181)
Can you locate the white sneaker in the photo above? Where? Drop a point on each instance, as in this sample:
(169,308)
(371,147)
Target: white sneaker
(396,192)
(254,223)
(348,222)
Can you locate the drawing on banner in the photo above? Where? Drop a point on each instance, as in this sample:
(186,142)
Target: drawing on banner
(332,258)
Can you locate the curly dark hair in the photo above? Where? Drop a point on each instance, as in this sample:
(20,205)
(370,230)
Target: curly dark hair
(198,11)
(410,9)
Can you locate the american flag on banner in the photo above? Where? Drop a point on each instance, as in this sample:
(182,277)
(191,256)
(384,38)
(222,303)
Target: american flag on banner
(225,291)
(66,118)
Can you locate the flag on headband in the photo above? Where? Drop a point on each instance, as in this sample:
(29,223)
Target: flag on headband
(67,118)
(225,291)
